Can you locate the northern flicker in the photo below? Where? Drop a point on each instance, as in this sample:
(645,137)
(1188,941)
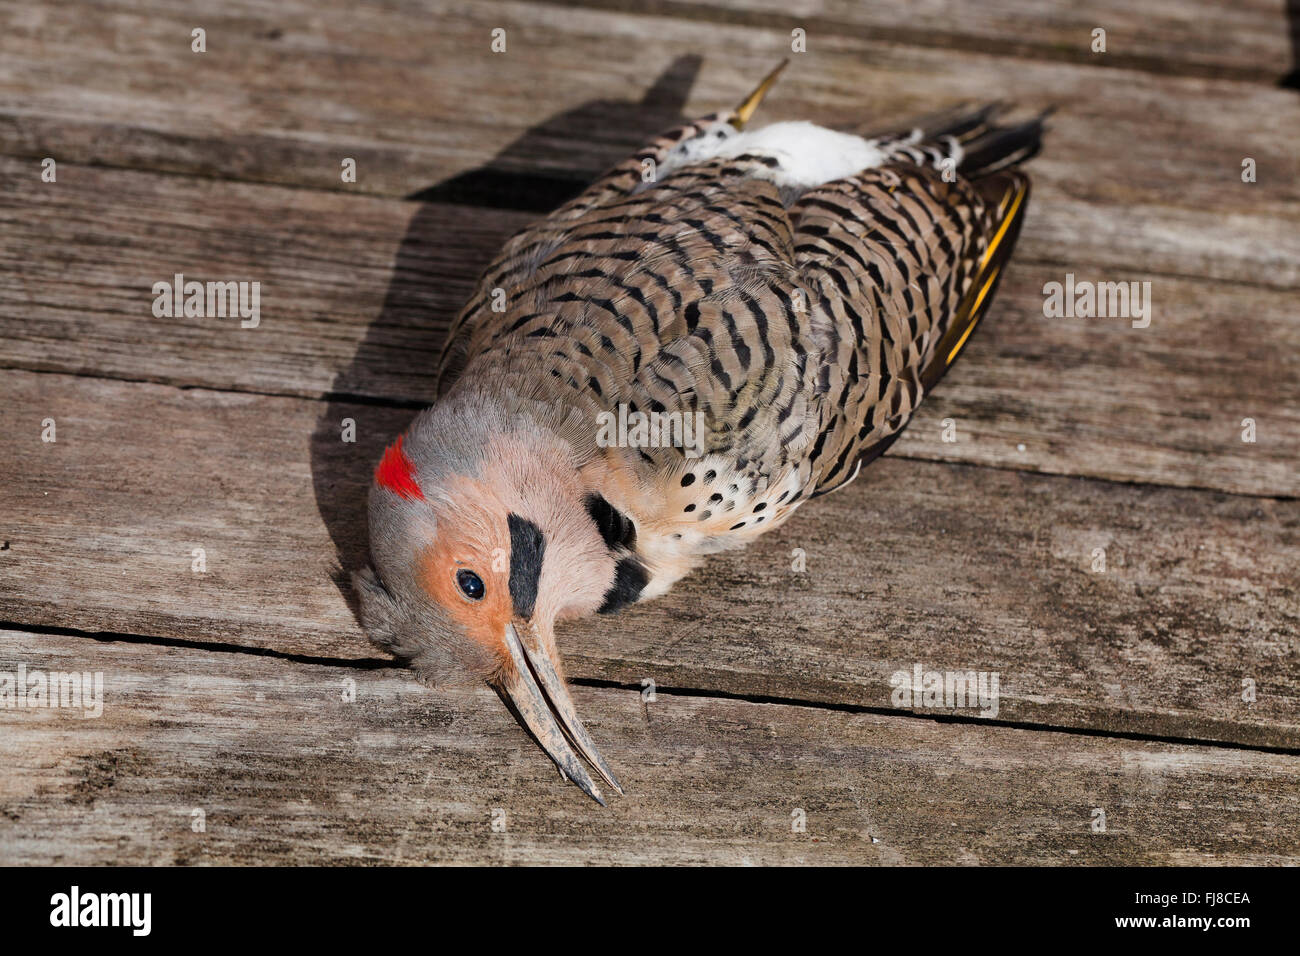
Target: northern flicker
(793,290)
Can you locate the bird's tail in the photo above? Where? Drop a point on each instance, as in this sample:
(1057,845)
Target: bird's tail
(988,148)
(985,146)
(989,156)
(1009,190)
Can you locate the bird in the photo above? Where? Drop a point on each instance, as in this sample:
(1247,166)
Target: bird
(792,292)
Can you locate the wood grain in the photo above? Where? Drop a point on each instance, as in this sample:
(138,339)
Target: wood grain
(285,771)
(1142,171)
(1182,38)
(952,567)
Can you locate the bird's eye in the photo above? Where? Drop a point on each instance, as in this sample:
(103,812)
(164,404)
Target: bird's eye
(471,585)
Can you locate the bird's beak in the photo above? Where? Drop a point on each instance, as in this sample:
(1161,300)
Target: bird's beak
(539,697)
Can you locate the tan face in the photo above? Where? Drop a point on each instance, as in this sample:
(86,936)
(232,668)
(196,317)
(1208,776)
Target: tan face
(471,556)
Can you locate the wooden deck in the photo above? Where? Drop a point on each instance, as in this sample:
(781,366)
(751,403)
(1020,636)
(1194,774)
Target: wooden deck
(1121,690)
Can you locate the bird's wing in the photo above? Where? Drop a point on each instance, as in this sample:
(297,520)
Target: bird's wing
(516,265)
(906,264)
(674,295)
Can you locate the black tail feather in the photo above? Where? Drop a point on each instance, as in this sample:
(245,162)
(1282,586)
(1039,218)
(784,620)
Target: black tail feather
(962,122)
(1000,147)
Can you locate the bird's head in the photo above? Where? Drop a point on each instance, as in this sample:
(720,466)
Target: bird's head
(481,538)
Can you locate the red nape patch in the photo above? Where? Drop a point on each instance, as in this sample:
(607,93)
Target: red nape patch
(397,474)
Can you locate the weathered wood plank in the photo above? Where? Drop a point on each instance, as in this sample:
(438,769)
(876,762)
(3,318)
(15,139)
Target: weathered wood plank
(285,771)
(1245,40)
(1141,173)
(951,567)
(81,258)
(357,293)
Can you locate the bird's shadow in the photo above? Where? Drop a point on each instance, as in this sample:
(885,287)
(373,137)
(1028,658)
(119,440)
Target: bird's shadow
(392,373)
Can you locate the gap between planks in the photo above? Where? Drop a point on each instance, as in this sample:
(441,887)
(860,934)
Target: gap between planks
(377,664)
(401,775)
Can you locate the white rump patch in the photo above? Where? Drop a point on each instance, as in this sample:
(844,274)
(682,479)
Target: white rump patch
(809,155)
